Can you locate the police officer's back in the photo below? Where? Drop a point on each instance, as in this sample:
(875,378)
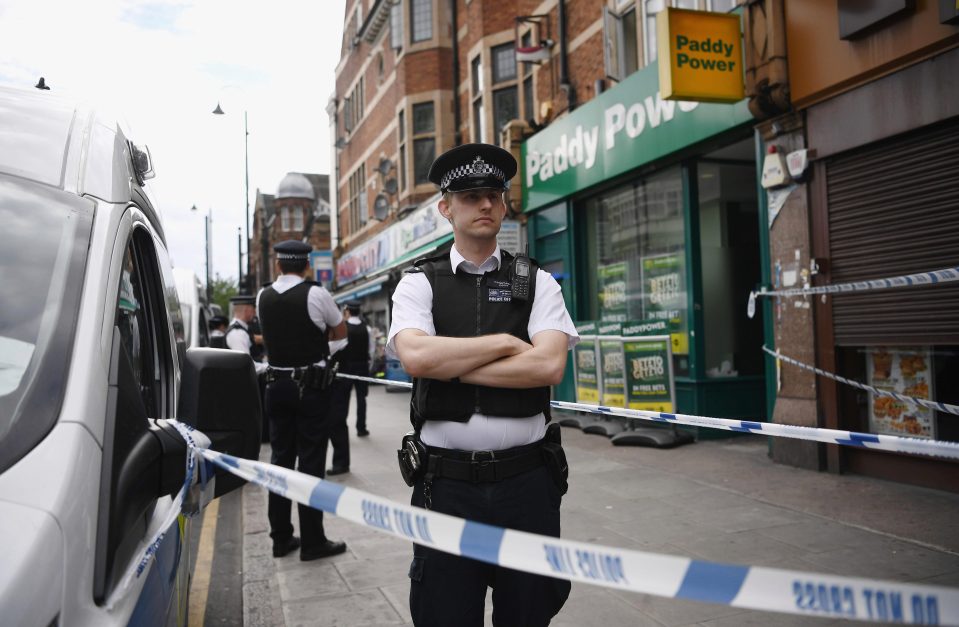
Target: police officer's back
(298,319)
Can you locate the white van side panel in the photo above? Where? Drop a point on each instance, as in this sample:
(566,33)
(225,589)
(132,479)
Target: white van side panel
(24,602)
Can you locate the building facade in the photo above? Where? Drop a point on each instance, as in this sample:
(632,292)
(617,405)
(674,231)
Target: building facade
(299,210)
(646,209)
(874,99)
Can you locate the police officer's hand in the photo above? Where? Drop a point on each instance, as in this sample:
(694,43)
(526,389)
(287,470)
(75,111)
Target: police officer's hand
(258,339)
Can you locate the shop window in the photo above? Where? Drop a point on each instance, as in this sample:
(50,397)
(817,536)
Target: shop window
(927,372)
(421,20)
(636,257)
(728,219)
(424,141)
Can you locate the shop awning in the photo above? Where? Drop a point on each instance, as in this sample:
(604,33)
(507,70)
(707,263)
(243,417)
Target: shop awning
(363,289)
(419,252)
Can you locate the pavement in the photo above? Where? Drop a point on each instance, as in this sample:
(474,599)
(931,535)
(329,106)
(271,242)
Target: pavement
(719,500)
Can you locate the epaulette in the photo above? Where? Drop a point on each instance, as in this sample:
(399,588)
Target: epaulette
(417,265)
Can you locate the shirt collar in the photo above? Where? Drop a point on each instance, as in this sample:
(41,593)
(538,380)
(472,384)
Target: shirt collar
(239,322)
(492,262)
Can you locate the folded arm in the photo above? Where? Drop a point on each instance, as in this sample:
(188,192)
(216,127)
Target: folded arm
(542,365)
(439,357)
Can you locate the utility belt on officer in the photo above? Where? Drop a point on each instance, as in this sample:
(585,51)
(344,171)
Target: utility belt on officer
(314,376)
(417,460)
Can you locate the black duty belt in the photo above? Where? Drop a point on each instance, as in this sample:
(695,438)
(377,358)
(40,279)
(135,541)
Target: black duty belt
(484,466)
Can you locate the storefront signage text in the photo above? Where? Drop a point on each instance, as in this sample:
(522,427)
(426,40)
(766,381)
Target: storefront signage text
(366,258)
(618,131)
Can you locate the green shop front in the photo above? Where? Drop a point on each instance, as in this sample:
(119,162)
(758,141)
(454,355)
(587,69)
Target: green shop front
(646,210)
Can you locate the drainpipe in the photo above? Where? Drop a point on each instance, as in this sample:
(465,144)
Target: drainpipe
(457,116)
(564,83)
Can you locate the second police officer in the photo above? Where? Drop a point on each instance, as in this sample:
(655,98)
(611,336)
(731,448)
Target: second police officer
(299,319)
(484,334)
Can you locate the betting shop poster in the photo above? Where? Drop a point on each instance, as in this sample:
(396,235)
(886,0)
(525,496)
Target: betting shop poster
(613,280)
(587,377)
(648,373)
(907,371)
(664,295)
(611,360)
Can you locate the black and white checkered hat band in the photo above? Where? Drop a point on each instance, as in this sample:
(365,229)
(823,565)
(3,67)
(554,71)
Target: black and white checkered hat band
(476,168)
(292,256)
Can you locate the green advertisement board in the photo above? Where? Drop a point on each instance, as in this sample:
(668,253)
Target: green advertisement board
(648,364)
(619,130)
(611,359)
(664,295)
(584,363)
(613,280)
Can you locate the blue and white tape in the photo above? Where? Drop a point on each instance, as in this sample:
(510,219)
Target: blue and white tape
(196,442)
(752,587)
(895,443)
(912,400)
(402,384)
(934,277)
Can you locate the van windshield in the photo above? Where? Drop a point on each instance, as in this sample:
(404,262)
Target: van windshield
(43,249)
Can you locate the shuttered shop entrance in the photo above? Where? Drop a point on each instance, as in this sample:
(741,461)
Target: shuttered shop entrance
(894,209)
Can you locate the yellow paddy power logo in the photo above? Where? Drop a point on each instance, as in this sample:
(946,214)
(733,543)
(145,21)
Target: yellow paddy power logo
(700,56)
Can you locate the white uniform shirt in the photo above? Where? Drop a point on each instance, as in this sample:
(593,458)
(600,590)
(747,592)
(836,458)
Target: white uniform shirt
(413,309)
(239,340)
(319,304)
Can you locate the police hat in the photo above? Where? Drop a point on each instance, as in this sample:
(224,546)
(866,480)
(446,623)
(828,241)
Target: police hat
(292,250)
(216,321)
(473,166)
(243,299)
(353,305)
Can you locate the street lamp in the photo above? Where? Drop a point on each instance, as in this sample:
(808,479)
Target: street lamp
(246,212)
(208,224)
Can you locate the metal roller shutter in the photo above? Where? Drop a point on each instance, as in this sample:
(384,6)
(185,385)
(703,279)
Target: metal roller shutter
(894,209)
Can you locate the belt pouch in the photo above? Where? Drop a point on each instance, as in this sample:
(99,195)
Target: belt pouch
(555,457)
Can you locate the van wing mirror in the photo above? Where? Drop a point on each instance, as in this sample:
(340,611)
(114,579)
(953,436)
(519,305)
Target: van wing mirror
(219,395)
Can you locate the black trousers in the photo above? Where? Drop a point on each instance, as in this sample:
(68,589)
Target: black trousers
(298,436)
(448,589)
(360,369)
(339,431)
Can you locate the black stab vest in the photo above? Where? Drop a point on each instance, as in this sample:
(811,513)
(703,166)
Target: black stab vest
(218,341)
(291,338)
(357,346)
(470,305)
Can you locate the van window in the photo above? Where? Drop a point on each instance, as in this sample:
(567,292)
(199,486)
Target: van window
(43,256)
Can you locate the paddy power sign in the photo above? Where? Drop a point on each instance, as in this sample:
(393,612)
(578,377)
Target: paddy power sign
(618,131)
(700,56)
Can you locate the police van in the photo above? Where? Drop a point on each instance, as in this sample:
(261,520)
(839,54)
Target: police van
(93,371)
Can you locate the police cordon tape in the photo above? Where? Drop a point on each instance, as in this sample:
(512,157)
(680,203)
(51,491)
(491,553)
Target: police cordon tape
(912,400)
(752,587)
(934,277)
(894,443)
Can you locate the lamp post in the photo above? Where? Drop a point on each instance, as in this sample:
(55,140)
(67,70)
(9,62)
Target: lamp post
(246,212)
(239,260)
(208,225)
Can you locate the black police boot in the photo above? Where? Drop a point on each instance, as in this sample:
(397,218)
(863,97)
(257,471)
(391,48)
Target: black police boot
(284,547)
(327,549)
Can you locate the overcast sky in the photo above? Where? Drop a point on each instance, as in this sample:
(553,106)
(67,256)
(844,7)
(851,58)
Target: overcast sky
(163,65)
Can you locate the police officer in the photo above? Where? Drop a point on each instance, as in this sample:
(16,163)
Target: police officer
(298,318)
(353,357)
(484,334)
(217,332)
(239,335)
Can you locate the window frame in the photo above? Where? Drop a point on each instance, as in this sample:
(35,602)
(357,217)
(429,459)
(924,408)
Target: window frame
(416,5)
(419,139)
